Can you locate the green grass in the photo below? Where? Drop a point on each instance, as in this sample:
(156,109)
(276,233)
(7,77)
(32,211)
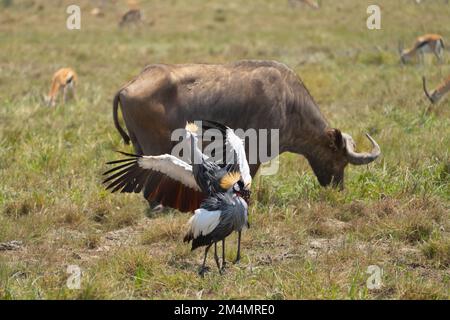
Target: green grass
(305,241)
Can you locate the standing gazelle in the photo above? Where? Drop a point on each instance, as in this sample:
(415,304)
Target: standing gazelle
(64,79)
(437,93)
(429,43)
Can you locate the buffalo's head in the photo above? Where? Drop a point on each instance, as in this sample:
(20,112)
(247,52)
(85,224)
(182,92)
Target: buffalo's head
(332,154)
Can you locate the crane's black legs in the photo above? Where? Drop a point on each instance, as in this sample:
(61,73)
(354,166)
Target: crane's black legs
(216,257)
(204,268)
(238,256)
(224,263)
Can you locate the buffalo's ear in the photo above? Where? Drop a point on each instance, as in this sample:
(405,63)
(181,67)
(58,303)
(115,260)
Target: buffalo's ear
(336,140)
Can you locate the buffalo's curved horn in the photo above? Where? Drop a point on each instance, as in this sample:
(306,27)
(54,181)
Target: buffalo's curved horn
(424,82)
(363,157)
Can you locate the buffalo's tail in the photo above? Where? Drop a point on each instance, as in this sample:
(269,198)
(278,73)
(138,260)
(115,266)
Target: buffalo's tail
(122,132)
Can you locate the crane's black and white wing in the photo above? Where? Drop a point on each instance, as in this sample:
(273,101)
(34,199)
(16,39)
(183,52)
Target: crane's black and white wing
(216,219)
(234,150)
(166,179)
(201,224)
(132,174)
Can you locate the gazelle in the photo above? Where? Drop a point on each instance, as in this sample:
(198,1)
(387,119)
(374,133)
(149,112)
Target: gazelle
(429,43)
(133,4)
(97,12)
(310,3)
(132,16)
(64,80)
(437,93)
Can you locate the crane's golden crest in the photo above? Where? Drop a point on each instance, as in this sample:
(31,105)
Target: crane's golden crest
(191,127)
(229,180)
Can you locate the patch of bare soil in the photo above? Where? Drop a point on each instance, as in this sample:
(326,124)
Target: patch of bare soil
(64,245)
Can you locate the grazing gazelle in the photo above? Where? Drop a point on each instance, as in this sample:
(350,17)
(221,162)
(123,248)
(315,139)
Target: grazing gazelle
(64,80)
(437,93)
(429,43)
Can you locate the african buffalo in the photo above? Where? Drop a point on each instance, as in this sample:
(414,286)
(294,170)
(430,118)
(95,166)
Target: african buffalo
(243,94)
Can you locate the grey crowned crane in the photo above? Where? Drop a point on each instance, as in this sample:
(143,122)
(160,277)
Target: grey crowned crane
(218,216)
(210,176)
(224,189)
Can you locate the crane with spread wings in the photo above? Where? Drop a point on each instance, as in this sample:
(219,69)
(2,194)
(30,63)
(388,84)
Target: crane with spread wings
(223,188)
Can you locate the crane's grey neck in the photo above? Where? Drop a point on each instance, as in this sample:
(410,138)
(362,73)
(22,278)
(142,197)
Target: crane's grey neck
(196,153)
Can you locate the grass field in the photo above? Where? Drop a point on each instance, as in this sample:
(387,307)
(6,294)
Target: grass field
(305,241)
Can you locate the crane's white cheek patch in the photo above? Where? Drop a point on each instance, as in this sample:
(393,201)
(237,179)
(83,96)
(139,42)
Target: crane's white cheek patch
(204,222)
